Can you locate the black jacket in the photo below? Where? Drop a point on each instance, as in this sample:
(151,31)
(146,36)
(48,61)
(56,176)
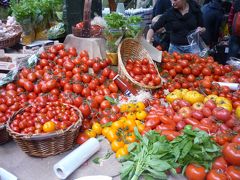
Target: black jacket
(161,6)
(213,14)
(180,25)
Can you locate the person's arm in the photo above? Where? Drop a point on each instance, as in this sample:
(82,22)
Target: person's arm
(159,24)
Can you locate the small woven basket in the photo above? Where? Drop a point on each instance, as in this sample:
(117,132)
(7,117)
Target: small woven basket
(4,136)
(132,49)
(43,145)
(9,42)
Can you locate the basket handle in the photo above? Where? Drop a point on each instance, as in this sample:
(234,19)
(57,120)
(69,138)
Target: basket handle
(86,19)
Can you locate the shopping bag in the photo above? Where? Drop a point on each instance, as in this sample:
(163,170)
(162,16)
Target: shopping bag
(197,44)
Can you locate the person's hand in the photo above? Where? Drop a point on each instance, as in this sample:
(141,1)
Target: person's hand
(200,29)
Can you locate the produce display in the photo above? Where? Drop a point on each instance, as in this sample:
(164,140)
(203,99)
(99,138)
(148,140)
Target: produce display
(190,125)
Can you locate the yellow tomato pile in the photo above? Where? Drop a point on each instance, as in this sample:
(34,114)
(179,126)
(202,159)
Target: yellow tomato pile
(120,133)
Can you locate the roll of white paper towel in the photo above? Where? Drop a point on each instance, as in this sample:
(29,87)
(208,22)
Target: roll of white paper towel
(76,158)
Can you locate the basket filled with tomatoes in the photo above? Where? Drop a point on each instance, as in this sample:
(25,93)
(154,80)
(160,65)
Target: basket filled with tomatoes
(45,129)
(137,66)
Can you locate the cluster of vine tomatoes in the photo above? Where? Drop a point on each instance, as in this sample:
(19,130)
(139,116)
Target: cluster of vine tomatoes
(44,118)
(143,71)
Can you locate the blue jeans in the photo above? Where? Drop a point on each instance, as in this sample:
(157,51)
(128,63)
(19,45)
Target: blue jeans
(234,46)
(183,48)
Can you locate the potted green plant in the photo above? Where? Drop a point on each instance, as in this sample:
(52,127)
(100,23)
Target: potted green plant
(119,27)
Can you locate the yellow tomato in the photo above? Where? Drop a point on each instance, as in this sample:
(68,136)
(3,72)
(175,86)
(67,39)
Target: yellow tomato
(173,96)
(121,152)
(131,116)
(141,115)
(130,107)
(237,112)
(105,131)
(224,102)
(123,108)
(117,124)
(140,106)
(112,135)
(49,126)
(193,97)
(122,119)
(91,133)
(116,145)
(226,106)
(96,127)
(141,127)
(130,138)
(212,97)
(183,91)
(125,146)
(129,125)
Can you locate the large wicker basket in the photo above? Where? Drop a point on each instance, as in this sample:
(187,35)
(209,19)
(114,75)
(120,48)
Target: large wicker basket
(9,42)
(43,145)
(132,49)
(4,136)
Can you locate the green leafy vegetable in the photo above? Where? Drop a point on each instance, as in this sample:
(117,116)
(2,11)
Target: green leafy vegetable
(154,155)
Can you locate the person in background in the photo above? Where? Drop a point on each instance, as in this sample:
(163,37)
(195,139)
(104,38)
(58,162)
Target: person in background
(213,16)
(234,42)
(182,18)
(162,37)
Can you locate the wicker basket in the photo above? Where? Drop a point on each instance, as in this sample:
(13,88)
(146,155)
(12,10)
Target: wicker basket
(5,43)
(132,49)
(4,136)
(43,145)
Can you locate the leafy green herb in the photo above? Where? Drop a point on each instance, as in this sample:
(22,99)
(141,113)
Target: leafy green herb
(154,155)
(97,160)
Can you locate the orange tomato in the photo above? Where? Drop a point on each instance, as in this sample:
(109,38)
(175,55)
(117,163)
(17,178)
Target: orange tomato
(121,152)
(91,133)
(116,145)
(49,126)
(105,131)
(131,138)
(112,135)
(96,127)
(141,115)
(129,125)
(139,106)
(117,124)
(131,116)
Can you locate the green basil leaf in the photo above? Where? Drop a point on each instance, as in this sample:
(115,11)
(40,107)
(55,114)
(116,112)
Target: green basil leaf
(186,149)
(137,134)
(126,168)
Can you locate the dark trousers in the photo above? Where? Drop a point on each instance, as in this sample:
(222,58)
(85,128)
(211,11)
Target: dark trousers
(234,46)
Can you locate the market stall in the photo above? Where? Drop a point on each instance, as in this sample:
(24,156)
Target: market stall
(69,111)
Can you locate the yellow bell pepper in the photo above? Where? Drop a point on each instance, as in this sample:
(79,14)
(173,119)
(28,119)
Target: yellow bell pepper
(193,97)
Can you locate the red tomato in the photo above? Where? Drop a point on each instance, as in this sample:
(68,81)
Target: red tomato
(236,139)
(195,172)
(82,137)
(105,104)
(216,174)
(220,163)
(231,153)
(233,172)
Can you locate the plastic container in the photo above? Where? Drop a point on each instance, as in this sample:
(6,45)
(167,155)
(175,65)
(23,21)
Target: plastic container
(124,86)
